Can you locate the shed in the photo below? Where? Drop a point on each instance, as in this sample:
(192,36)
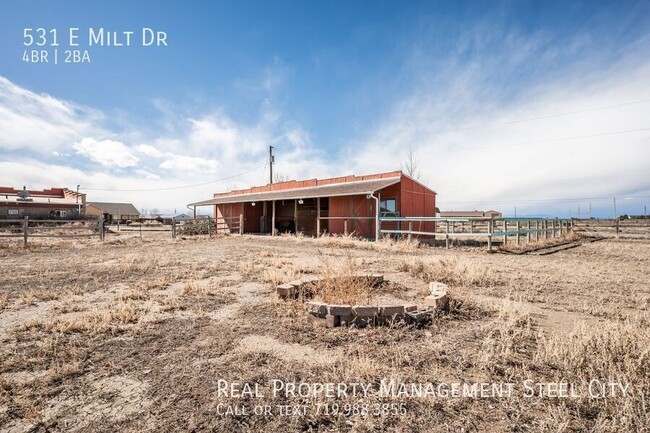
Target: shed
(340,205)
(112,211)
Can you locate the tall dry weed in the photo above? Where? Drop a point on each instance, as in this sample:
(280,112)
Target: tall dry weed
(341,282)
(612,352)
(452,271)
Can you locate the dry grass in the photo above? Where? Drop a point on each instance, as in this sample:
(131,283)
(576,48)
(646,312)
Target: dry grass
(172,315)
(614,352)
(340,282)
(92,323)
(4,301)
(454,271)
(540,243)
(384,244)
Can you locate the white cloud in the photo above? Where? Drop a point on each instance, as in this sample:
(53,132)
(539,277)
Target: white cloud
(40,122)
(190,164)
(473,151)
(149,150)
(108,153)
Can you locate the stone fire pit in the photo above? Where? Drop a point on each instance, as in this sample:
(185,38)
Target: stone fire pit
(333,315)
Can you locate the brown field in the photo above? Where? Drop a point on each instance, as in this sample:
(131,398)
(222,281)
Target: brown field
(133,335)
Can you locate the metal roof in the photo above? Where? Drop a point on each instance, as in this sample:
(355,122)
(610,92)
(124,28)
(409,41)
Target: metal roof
(332,190)
(115,208)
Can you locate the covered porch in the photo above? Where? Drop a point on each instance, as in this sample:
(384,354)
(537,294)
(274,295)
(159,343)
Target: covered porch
(341,208)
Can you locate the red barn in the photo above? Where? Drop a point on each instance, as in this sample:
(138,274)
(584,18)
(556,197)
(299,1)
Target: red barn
(339,205)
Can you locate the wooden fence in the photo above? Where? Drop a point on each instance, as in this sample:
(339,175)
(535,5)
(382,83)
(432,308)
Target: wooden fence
(233,224)
(619,227)
(477,228)
(29,228)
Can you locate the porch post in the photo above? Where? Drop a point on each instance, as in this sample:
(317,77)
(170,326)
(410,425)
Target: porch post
(273,219)
(295,215)
(318,217)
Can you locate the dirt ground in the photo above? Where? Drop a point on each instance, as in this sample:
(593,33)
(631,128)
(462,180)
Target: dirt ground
(135,335)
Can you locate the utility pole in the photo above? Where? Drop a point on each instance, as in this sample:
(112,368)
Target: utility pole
(271,161)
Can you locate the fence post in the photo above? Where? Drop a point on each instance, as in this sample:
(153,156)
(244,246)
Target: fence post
(25,229)
(528,231)
(545,225)
(173,228)
(209,227)
(447,235)
(410,230)
(345,227)
(241,223)
(518,228)
(490,235)
(101,228)
(618,225)
(471,226)
(505,229)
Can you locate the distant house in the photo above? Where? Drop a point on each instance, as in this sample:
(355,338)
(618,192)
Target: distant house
(112,212)
(47,203)
(181,217)
(470,214)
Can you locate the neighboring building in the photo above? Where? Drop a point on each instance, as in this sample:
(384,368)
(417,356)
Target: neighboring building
(470,214)
(112,212)
(180,217)
(326,205)
(42,204)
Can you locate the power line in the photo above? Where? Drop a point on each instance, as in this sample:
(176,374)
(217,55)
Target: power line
(548,116)
(175,187)
(557,200)
(549,140)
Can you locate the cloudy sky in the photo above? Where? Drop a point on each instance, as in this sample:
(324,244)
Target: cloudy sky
(542,106)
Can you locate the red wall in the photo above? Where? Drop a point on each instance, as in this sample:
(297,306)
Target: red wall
(358,206)
(417,201)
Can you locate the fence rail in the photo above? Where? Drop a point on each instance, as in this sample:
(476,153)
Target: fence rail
(478,228)
(26,228)
(233,224)
(617,226)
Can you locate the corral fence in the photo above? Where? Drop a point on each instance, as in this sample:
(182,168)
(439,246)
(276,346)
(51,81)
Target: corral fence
(27,228)
(32,228)
(618,227)
(198,226)
(139,227)
(490,229)
(229,224)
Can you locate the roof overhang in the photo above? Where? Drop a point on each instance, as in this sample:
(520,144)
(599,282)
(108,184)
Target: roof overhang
(333,190)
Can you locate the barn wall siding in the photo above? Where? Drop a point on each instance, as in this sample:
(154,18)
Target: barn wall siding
(412,200)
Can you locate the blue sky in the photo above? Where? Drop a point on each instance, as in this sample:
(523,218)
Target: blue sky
(482,91)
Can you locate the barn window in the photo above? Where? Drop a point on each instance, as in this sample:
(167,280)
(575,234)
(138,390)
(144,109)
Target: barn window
(388,207)
(13,211)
